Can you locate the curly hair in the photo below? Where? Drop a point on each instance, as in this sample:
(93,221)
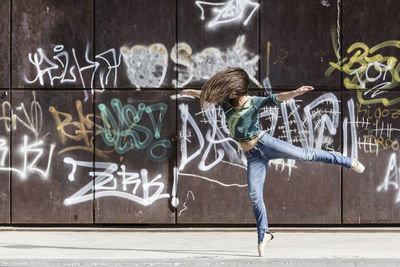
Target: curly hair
(231,81)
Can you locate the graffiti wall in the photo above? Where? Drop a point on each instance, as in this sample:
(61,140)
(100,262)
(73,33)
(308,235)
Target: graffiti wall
(93,128)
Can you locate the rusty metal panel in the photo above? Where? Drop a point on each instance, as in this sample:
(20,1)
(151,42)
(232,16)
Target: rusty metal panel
(141,35)
(228,35)
(371,46)
(212,174)
(300,43)
(52,44)
(135,156)
(5,129)
(52,139)
(373,137)
(5,44)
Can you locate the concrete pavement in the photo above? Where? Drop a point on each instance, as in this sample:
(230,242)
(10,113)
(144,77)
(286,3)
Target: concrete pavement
(190,247)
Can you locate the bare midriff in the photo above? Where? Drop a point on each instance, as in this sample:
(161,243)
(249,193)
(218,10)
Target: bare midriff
(246,146)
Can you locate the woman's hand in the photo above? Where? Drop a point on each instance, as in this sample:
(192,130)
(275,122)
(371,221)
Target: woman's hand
(303,90)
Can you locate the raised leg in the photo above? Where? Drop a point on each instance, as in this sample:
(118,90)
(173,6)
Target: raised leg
(273,148)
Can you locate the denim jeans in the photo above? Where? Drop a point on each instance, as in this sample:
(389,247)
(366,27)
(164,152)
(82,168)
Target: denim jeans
(268,148)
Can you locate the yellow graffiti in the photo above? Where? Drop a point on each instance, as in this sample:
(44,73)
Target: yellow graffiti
(359,62)
(30,118)
(5,116)
(382,143)
(365,111)
(78,131)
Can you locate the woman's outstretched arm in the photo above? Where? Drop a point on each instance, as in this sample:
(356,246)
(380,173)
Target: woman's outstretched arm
(289,95)
(191,92)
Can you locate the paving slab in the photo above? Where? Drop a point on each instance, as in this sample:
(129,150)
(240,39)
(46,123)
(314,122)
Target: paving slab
(193,248)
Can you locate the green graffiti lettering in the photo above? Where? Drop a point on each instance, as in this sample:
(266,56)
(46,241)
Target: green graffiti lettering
(122,130)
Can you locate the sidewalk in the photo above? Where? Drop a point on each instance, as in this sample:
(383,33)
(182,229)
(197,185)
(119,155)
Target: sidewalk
(188,247)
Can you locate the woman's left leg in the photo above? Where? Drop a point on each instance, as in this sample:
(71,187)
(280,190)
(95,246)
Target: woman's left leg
(274,148)
(256,171)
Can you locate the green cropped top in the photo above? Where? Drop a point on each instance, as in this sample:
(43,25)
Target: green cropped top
(244,123)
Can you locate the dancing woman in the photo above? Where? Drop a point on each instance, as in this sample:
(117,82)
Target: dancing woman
(229,89)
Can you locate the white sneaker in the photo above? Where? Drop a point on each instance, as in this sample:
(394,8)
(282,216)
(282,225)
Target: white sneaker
(261,245)
(357,166)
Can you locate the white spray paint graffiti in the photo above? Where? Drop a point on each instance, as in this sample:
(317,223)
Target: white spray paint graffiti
(213,136)
(60,69)
(31,151)
(27,150)
(228,11)
(287,132)
(315,119)
(382,71)
(111,182)
(209,149)
(146,66)
(353,131)
(325,120)
(325,3)
(392,178)
(206,63)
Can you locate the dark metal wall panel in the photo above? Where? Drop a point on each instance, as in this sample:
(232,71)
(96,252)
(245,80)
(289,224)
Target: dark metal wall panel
(212,174)
(50,40)
(300,43)
(51,157)
(370,62)
(373,197)
(143,33)
(371,45)
(135,134)
(5,129)
(227,36)
(5,44)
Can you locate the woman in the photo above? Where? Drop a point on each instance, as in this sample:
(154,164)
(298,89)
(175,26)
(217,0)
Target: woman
(228,88)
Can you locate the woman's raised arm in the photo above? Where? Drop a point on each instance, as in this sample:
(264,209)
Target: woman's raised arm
(191,92)
(289,95)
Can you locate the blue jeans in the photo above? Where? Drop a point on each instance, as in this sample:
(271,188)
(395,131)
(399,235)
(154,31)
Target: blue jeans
(268,148)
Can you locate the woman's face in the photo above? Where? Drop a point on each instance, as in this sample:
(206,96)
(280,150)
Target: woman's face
(234,100)
(233,96)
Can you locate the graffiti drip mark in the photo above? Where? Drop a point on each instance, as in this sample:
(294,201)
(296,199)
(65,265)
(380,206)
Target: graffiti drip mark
(189,193)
